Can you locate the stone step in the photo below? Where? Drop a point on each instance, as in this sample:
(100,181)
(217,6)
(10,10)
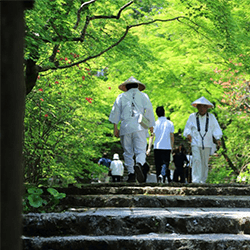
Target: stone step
(144,216)
(150,241)
(157,201)
(136,221)
(156,189)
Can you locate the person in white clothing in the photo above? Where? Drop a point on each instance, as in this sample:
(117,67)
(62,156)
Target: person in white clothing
(116,168)
(163,145)
(127,109)
(200,129)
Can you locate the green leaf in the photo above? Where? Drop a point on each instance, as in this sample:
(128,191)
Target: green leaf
(56,194)
(34,190)
(35,200)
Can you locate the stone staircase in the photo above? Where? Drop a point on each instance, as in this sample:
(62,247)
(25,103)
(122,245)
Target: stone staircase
(144,216)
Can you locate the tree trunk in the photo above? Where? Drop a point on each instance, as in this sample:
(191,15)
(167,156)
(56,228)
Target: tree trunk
(31,74)
(12,115)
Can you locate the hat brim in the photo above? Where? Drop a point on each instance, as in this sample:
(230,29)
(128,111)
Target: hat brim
(141,86)
(131,80)
(195,105)
(203,101)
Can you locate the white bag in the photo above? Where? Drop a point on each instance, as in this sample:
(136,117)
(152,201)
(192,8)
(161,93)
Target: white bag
(144,122)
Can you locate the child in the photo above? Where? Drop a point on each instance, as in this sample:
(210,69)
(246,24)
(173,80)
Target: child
(116,168)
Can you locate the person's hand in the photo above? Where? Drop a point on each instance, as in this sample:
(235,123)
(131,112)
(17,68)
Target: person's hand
(148,152)
(218,143)
(116,132)
(151,130)
(189,138)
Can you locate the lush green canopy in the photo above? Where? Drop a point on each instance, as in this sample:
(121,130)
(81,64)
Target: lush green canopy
(77,53)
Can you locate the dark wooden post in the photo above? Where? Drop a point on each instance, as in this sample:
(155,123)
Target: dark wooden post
(12,113)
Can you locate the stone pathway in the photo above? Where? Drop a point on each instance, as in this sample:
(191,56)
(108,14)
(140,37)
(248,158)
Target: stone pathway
(144,216)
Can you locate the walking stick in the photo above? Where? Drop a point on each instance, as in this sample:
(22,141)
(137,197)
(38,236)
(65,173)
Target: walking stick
(190,166)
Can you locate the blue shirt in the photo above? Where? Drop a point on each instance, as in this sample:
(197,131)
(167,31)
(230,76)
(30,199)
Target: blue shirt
(105,161)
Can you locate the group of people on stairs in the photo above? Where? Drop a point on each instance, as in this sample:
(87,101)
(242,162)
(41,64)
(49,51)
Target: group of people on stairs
(133,110)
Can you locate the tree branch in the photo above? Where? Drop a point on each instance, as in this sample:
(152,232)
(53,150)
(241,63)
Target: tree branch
(227,158)
(83,33)
(157,20)
(79,11)
(52,57)
(112,16)
(90,57)
(112,46)
(224,151)
(88,19)
(191,27)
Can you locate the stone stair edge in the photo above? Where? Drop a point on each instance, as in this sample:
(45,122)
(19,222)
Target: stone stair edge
(205,189)
(134,221)
(172,184)
(210,237)
(81,201)
(123,212)
(147,241)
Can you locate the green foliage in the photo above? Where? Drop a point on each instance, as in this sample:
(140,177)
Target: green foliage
(34,202)
(81,61)
(55,197)
(62,136)
(234,112)
(34,197)
(244,176)
(220,173)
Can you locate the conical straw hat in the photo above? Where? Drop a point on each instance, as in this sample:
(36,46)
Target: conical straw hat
(131,80)
(203,101)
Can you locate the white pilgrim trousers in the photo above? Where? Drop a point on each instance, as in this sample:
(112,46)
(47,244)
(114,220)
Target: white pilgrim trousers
(134,144)
(200,164)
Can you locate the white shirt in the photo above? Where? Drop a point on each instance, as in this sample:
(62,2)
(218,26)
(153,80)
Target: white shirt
(162,130)
(128,115)
(214,130)
(117,167)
